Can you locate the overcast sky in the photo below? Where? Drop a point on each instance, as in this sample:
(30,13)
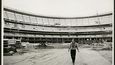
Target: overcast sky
(64,8)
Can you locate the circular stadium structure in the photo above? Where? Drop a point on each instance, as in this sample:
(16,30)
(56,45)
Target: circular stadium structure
(34,28)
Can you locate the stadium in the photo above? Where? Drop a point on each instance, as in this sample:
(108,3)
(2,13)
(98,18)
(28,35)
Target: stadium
(35,28)
(34,39)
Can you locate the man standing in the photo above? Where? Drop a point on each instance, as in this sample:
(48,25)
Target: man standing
(72,48)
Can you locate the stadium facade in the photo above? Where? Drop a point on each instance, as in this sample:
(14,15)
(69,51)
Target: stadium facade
(34,28)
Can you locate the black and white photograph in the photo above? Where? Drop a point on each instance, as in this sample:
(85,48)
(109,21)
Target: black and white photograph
(57,32)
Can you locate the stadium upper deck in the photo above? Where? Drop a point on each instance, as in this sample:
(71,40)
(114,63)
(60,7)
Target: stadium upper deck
(57,21)
(35,28)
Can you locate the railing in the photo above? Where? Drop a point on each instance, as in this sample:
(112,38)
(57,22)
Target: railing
(54,29)
(56,36)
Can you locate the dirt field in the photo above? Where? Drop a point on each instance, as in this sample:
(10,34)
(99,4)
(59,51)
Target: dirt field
(106,54)
(57,57)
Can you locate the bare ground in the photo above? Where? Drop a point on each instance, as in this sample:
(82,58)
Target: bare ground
(57,57)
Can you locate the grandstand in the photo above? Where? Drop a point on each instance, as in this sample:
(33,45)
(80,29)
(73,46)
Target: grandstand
(35,28)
